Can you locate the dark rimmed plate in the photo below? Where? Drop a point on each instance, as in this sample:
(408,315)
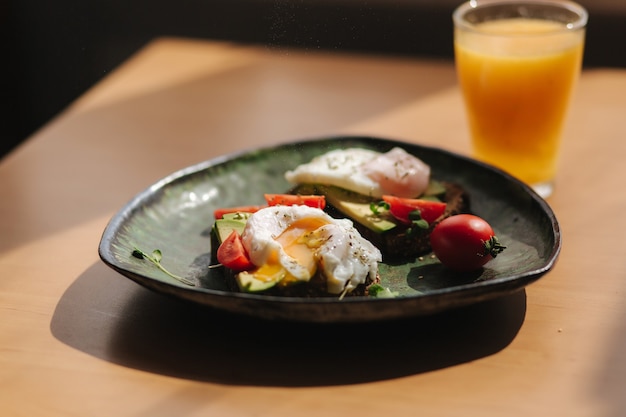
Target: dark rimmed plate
(175,216)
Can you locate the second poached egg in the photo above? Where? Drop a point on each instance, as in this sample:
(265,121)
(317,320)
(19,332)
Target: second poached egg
(366,172)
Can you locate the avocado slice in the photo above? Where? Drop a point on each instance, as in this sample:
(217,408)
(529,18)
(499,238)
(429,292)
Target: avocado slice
(355,206)
(435,191)
(362,213)
(248,282)
(237,215)
(224,227)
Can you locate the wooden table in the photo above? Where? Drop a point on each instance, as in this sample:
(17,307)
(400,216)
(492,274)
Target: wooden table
(78,339)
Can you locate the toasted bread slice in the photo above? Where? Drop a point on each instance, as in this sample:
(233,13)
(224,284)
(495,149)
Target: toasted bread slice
(398,241)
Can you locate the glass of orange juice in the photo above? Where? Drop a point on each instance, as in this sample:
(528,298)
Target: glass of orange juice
(517,64)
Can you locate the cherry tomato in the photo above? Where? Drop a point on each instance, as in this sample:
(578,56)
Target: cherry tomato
(219,213)
(464,242)
(401,208)
(232,254)
(316,201)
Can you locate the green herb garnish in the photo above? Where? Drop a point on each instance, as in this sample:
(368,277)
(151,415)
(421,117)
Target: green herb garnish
(378,291)
(156,260)
(417,223)
(375,207)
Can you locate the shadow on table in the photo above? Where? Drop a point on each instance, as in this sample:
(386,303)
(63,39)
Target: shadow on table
(110,317)
(609,387)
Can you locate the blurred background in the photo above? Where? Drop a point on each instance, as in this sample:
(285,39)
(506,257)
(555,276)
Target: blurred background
(53,51)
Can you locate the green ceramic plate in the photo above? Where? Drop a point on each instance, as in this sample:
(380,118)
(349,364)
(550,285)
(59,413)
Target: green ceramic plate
(175,216)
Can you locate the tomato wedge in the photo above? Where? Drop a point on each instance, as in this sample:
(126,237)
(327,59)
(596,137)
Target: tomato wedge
(316,201)
(232,254)
(219,213)
(401,208)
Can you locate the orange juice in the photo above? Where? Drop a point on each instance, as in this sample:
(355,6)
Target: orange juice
(517,76)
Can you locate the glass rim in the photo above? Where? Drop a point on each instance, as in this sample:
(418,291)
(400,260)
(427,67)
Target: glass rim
(577,9)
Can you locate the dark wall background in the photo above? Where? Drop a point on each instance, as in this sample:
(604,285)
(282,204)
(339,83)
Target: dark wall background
(55,50)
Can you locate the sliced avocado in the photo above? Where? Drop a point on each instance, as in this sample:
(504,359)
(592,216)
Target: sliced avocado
(237,215)
(363,214)
(249,283)
(358,208)
(224,227)
(434,191)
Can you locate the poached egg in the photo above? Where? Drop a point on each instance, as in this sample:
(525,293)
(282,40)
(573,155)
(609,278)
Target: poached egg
(366,172)
(290,244)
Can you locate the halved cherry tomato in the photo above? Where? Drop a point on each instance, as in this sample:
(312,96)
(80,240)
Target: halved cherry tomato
(219,213)
(464,242)
(232,254)
(401,208)
(316,201)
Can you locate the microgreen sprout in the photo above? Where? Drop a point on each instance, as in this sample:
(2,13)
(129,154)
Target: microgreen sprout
(155,258)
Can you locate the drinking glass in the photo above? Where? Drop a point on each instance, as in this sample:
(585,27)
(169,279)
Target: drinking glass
(517,63)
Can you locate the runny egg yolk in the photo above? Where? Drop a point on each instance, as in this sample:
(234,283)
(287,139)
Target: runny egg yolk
(297,242)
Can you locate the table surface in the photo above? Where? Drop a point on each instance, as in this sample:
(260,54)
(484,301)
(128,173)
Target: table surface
(78,339)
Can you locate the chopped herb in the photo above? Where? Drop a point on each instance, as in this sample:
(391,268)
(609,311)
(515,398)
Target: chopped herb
(155,258)
(378,291)
(417,223)
(375,207)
